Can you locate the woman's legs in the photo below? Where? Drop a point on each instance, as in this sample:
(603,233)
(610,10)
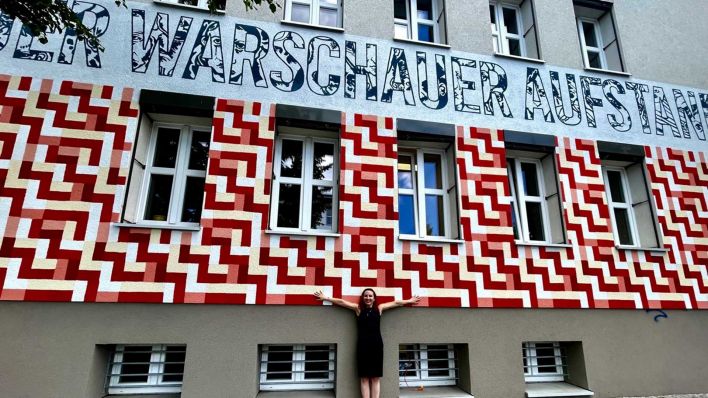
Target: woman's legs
(375,387)
(365,389)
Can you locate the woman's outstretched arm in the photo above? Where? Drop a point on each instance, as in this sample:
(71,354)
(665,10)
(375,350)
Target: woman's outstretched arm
(337,301)
(398,303)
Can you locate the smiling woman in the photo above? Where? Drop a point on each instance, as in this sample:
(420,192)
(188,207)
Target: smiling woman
(369,345)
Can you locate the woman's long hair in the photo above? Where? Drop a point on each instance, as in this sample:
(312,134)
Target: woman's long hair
(361,298)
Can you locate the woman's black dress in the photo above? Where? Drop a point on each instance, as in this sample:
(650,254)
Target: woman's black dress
(369,345)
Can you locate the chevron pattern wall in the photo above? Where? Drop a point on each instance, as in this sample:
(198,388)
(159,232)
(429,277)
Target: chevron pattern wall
(65,155)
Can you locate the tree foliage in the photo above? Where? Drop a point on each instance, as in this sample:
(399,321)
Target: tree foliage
(42,16)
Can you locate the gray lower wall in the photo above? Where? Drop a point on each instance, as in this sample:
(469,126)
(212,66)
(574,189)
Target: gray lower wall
(50,349)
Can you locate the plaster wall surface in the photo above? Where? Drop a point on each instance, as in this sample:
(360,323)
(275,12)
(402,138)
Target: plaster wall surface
(626,353)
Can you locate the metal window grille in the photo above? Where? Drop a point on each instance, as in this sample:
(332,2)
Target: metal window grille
(544,362)
(297,367)
(136,369)
(427,365)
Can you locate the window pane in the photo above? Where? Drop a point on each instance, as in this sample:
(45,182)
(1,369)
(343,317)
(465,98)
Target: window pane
(509,15)
(321,215)
(406,214)
(399,9)
(615,182)
(514,222)
(323,164)
(545,358)
(438,364)
(425,9)
(158,199)
(407,364)
(535,218)
(623,229)
(135,364)
(425,33)
(199,150)
(279,365)
(400,31)
(594,60)
(300,13)
(514,47)
(434,222)
(174,364)
(188,2)
(433,171)
(291,162)
(405,171)
(493,18)
(166,148)
(289,206)
(328,17)
(193,194)
(589,33)
(316,362)
(529,179)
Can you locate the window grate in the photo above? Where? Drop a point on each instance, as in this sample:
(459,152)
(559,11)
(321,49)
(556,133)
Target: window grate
(427,365)
(137,369)
(544,361)
(297,367)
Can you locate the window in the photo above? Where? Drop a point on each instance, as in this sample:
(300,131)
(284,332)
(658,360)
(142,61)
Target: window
(146,369)
(598,36)
(535,201)
(221,5)
(315,12)
(297,367)
(427,194)
(513,28)
(422,20)
(630,206)
(543,362)
(426,365)
(305,185)
(174,176)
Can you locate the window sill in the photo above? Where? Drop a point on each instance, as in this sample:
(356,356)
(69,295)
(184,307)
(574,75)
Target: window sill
(189,7)
(612,72)
(433,392)
(297,394)
(544,244)
(424,43)
(555,389)
(302,233)
(642,249)
(520,58)
(430,240)
(192,228)
(313,26)
(144,395)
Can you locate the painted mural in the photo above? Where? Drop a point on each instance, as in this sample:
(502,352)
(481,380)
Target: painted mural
(65,151)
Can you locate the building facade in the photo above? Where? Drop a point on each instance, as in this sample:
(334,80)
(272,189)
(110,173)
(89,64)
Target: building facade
(535,170)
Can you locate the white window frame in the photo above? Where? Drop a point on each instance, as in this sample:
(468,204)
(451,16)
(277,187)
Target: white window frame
(306,183)
(422,377)
(600,49)
(297,380)
(519,199)
(179,174)
(315,6)
(633,230)
(501,34)
(154,385)
(412,21)
(531,374)
(203,4)
(419,194)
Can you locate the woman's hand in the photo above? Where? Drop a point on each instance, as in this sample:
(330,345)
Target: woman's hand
(321,296)
(413,300)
